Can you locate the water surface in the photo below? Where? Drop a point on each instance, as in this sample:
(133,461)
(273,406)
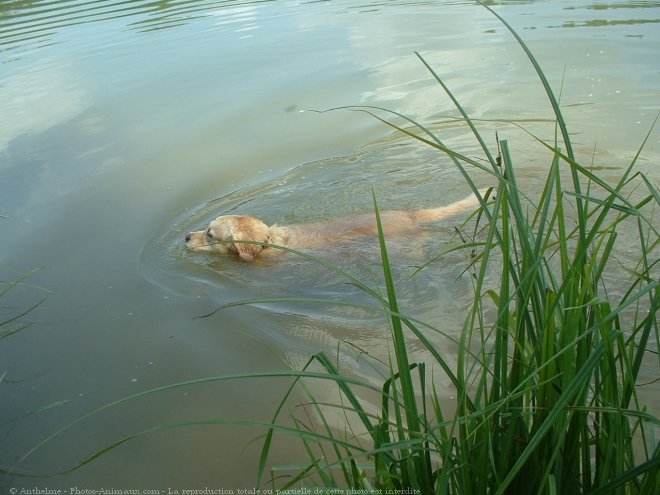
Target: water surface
(126,124)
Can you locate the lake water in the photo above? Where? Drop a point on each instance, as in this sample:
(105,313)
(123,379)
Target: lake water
(127,123)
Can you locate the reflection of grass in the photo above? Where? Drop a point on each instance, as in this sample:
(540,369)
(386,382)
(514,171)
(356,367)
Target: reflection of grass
(548,360)
(14,323)
(605,22)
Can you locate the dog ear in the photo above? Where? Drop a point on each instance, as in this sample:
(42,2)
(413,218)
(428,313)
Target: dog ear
(249,229)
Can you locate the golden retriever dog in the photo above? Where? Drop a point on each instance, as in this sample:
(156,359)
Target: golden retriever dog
(250,238)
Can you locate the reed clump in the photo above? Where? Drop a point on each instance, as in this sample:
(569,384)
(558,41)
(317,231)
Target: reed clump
(548,362)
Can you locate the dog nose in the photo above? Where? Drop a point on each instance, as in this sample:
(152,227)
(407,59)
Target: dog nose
(188,237)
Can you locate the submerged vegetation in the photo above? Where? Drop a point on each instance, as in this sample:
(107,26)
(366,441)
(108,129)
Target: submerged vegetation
(549,357)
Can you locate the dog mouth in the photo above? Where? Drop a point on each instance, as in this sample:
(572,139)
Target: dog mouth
(190,242)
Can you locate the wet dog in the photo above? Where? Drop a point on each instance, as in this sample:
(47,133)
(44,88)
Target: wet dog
(250,238)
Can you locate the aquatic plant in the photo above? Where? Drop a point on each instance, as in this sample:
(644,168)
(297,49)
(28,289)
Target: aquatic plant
(546,390)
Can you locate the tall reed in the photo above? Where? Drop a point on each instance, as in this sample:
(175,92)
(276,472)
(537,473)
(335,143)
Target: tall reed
(546,388)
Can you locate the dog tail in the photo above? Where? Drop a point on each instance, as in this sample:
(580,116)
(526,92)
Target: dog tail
(469,203)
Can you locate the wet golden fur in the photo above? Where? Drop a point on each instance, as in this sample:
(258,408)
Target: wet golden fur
(233,234)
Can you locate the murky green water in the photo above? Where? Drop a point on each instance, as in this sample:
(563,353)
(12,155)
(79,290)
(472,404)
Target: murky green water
(127,123)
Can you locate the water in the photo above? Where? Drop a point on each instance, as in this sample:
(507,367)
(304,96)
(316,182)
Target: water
(126,124)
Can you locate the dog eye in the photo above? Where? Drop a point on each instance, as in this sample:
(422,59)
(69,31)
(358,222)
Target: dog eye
(209,234)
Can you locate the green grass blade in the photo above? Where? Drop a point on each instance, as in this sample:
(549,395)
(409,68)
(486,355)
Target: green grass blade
(546,85)
(241,376)
(577,384)
(462,111)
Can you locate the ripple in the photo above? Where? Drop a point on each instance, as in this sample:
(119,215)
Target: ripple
(34,24)
(317,191)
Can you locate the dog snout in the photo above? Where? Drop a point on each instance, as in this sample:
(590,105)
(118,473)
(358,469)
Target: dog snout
(188,237)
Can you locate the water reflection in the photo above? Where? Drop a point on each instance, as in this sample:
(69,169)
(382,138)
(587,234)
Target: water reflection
(610,20)
(35,23)
(605,22)
(39,97)
(30,22)
(641,4)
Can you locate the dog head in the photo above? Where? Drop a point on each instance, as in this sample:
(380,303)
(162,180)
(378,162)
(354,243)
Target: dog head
(222,235)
